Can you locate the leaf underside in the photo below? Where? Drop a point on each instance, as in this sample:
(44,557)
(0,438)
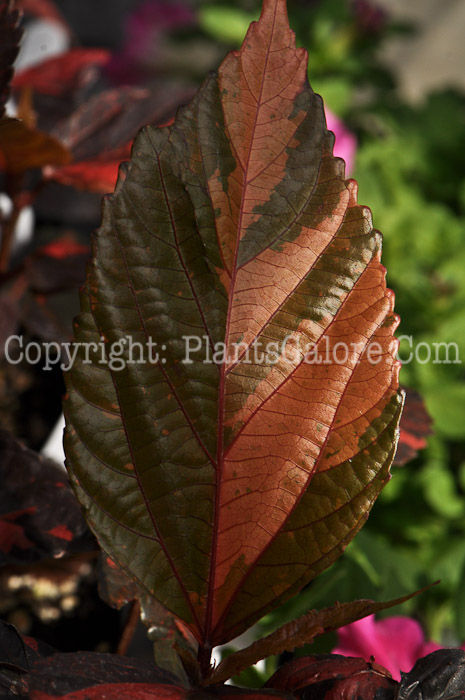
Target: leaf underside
(332,677)
(296,633)
(223,488)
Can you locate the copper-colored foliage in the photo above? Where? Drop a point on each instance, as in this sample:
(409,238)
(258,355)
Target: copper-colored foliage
(63,73)
(226,482)
(23,147)
(99,133)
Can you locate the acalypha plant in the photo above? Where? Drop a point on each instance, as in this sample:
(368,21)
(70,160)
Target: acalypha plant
(219,481)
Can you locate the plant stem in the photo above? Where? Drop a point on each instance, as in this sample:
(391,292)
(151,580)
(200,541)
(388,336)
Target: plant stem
(204,657)
(129,628)
(13,188)
(8,230)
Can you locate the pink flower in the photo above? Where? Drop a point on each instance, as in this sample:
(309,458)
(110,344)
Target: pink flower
(345,144)
(395,642)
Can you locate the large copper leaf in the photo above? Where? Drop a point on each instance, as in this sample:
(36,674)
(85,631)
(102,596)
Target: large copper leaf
(224,487)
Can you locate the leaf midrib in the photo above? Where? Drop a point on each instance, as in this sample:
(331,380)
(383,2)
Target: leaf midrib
(314,470)
(256,613)
(221,397)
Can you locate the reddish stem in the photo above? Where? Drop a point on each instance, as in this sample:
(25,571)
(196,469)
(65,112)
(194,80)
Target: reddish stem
(129,628)
(204,659)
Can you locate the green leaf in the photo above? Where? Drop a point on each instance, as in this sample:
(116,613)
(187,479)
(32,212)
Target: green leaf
(228,24)
(446,404)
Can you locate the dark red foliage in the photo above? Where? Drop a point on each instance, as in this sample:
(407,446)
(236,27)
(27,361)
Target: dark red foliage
(42,293)
(50,279)
(62,74)
(65,674)
(415,426)
(63,248)
(39,516)
(100,134)
(334,677)
(94,175)
(41,674)
(33,671)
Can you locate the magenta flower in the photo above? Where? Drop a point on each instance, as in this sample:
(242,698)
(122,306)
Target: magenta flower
(345,144)
(395,643)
